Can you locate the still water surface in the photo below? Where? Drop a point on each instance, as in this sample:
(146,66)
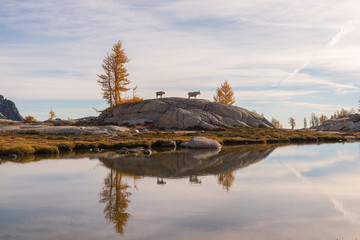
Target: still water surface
(292,192)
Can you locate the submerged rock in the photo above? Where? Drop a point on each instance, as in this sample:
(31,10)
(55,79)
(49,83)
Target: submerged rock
(181,113)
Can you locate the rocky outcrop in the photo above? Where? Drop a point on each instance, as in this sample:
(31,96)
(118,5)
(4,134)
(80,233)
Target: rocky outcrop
(181,113)
(8,110)
(350,123)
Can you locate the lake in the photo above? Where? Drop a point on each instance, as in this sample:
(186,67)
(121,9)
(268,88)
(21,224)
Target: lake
(247,192)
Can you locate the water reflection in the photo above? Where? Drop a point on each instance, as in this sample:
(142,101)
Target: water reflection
(298,192)
(191,163)
(187,164)
(115,195)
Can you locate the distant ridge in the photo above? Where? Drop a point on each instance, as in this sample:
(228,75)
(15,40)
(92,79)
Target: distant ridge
(8,110)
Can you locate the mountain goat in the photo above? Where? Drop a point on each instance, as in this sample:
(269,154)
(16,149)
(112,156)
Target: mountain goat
(160,93)
(193,94)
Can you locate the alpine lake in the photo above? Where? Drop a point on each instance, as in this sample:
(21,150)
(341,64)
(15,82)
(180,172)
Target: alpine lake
(245,192)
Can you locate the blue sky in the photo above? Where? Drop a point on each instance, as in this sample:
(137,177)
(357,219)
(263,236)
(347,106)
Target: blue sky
(282,58)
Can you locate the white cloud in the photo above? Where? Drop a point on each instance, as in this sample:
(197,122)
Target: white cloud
(57,48)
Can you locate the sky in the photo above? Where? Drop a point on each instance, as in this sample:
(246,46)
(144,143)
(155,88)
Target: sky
(282,58)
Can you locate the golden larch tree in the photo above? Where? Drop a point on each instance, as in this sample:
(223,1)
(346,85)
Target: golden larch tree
(323,118)
(119,70)
(276,123)
(114,80)
(52,115)
(224,94)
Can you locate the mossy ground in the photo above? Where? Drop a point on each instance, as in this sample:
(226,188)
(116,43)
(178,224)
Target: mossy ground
(35,143)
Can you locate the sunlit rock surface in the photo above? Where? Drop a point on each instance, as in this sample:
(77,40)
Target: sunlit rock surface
(350,123)
(181,113)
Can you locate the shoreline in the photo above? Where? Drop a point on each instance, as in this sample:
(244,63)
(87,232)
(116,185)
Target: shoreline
(33,142)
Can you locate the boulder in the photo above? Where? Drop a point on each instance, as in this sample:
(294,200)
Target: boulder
(201,143)
(181,113)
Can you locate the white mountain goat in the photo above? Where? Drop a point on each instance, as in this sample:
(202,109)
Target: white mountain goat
(160,93)
(193,94)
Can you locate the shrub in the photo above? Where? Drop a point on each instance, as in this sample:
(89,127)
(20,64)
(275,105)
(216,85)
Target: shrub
(29,118)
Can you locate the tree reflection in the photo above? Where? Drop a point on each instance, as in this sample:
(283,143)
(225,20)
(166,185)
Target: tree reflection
(115,194)
(226,180)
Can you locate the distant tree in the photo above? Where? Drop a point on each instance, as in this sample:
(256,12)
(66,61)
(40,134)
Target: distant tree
(305,123)
(29,118)
(224,94)
(276,123)
(292,122)
(52,115)
(343,112)
(114,80)
(314,120)
(323,118)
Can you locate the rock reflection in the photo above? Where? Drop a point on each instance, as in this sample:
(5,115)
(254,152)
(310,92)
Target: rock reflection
(189,163)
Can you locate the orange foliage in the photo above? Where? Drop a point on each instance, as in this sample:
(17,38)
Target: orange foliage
(224,94)
(323,118)
(342,112)
(52,115)
(114,81)
(276,123)
(29,118)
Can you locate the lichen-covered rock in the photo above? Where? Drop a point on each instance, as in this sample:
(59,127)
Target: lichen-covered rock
(181,113)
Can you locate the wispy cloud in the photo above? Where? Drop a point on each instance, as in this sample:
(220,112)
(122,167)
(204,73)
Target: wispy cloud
(344,30)
(57,47)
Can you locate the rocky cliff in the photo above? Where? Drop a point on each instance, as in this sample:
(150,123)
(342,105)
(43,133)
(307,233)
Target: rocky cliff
(181,113)
(8,110)
(350,123)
